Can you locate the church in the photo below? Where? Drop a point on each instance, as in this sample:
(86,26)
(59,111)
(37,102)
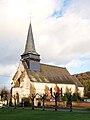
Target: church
(34,77)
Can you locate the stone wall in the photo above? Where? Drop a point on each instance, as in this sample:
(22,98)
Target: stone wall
(81,104)
(74,104)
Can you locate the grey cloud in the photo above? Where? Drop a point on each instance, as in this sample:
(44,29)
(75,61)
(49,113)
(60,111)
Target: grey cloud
(57,40)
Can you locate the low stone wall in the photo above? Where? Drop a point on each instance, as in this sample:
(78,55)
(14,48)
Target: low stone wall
(51,104)
(63,104)
(81,104)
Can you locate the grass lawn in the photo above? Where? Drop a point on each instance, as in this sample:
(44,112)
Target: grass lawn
(27,114)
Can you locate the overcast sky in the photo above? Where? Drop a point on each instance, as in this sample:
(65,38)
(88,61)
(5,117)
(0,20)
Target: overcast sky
(61,31)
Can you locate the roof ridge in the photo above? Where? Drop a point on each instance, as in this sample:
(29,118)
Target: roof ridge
(81,73)
(52,66)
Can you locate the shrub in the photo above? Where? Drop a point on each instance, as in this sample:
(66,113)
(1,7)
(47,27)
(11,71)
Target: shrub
(76,97)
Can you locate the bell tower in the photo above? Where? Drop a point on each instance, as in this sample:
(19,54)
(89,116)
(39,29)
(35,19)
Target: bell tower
(30,56)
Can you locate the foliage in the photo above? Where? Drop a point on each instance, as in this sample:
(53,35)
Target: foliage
(17,84)
(56,88)
(4,94)
(47,93)
(32,89)
(67,94)
(76,97)
(86,84)
(17,97)
(84,78)
(26,101)
(67,90)
(64,98)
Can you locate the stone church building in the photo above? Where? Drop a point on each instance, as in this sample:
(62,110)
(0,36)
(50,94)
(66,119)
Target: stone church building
(34,77)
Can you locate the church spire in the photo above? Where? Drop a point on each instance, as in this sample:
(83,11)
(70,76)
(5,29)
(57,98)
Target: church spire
(30,46)
(30,56)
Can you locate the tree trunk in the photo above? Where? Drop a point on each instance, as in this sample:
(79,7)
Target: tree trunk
(43,105)
(32,104)
(23,103)
(55,104)
(15,103)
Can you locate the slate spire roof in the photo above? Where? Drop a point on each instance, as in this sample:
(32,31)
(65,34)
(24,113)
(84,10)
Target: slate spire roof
(30,46)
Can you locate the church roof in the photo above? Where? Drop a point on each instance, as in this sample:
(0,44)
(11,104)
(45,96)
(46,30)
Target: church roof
(52,74)
(30,46)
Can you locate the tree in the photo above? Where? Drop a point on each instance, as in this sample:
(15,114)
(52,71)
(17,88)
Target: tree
(57,90)
(76,97)
(32,94)
(42,97)
(32,89)
(14,97)
(67,89)
(84,78)
(47,93)
(55,95)
(5,95)
(32,97)
(68,97)
(86,84)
